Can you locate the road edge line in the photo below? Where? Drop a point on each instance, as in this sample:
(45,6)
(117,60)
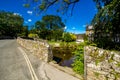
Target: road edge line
(32,72)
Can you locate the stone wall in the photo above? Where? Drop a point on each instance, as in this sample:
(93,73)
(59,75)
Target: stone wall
(39,48)
(102,64)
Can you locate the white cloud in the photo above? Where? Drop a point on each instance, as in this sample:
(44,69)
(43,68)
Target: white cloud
(29,12)
(65,27)
(29,20)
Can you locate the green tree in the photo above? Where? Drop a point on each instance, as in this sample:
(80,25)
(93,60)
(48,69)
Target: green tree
(10,23)
(106,24)
(50,27)
(68,37)
(24,32)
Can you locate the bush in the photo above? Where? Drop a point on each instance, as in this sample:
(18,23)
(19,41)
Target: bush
(73,36)
(68,37)
(78,65)
(31,35)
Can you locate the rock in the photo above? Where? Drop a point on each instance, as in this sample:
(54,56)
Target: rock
(40,49)
(108,63)
(111,77)
(100,52)
(113,64)
(89,59)
(105,66)
(116,57)
(117,70)
(93,66)
(101,77)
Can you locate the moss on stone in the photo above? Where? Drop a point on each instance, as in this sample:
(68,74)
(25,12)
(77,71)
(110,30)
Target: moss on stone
(97,74)
(96,62)
(111,58)
(117,75)
(94,53)
(118,64)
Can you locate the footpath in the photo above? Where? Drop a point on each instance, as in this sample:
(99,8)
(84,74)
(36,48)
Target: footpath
(56,74)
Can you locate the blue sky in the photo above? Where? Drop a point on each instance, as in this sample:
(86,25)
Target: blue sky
(83,13)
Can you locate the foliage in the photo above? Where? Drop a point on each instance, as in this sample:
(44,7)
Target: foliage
(10,23)
(26,5)
(24,32)
(68,37)
(100,3)
(64,46)
(33,35)
(42,5)
(73,36)
(71,46)
(50,27)
(93,44)
(78,65)
(106,24)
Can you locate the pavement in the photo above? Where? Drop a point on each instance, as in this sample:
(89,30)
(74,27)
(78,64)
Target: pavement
(16,63)
(12,62)
(56,74)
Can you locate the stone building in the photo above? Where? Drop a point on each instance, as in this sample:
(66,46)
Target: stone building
(80,38)
(89,32)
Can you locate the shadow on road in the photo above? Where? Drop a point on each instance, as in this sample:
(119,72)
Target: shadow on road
(6,37)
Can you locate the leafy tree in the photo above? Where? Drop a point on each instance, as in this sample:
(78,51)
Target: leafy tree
(43,5)
(68,37)
(51,27)
(24,32)
(106,24)
(10,23)
(100,3)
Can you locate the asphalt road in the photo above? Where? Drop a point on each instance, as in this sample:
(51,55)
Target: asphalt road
(13,65)
(17,63)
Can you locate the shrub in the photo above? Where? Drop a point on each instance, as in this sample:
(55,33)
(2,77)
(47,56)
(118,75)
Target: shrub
(31,35)
(78,65)
(68,37)
(73,36)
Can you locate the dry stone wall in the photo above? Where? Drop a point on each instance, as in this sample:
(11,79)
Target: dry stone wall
(39,48)
(102,64)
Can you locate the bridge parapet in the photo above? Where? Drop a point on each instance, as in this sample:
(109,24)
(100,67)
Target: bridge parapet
(39,48)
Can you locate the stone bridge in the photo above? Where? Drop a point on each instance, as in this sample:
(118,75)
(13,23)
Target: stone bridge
(39,48)
(102,64)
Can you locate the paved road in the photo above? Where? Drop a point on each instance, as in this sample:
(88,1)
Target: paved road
(13,65)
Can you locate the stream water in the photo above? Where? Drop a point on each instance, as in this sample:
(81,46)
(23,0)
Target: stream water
(63,57)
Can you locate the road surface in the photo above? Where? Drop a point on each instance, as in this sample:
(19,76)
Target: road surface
(14,64)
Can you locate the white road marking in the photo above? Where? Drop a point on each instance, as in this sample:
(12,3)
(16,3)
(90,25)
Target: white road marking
(32,72)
